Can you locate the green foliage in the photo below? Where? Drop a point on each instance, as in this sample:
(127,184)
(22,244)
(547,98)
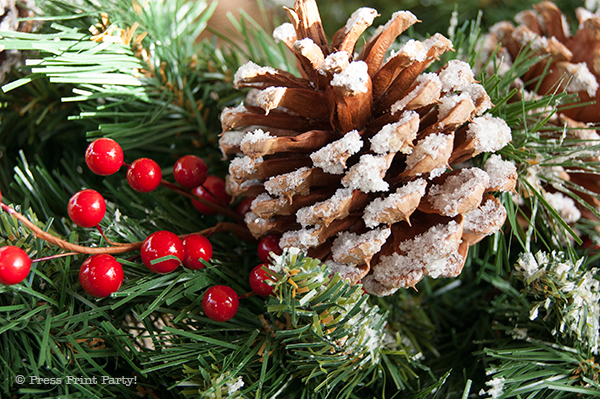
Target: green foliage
(317,337)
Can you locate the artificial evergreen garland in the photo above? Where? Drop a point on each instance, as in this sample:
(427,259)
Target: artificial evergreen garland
(510,325)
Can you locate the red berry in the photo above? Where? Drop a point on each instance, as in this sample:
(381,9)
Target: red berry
(144,175)
(14,265)
(160,244)
(190,171)
(212,190)
(257,280)
(244,206)
(196,247)
(104,156)
(220,303)
(101,275)
(268,244)
(86,208)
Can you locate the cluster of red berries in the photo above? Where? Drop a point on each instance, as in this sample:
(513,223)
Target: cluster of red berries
(161,252)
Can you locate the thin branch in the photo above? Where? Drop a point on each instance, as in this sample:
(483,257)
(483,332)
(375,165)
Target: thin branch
(239,230)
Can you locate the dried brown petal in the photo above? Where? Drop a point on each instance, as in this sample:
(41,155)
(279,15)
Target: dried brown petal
(298,182)
(266,206)
(304,102)
(373,54)
(456,192)
(487,219)
(261,144)
(355,249)
(307,21)
(397,206)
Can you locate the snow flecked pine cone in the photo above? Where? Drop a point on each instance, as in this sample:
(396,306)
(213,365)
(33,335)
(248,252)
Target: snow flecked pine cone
(351,162)
(573,62)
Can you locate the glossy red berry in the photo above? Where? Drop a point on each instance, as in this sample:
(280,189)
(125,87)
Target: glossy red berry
(268,244)
(190,171)
(144,175)
(86,208)
(258,277)
(160,244)
(196,246)
(244,206)
(212,190)
(101,275)
(220,303)
(104,156)
(14,265)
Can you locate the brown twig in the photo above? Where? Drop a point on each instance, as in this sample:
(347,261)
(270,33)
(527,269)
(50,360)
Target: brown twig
(240,231)
(106,238)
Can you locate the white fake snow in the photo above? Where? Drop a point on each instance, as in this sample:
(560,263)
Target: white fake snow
(250,70)
(398,267)
(306,214)
(245,164)
(232,111)
(232,138)
(489,133)
(291,179)
(332,157)
(302,239)
(447,103)
(565,206)
(334,63)
(430,145)
(422,80)
(499,170)
(354,78)
(374,209)
(581,79)
(270,97)
(413,49)
(483,218)
(478,94)
(456,75)
(381,143)
(363,15)
(367,174)
(433,244)
(371,243)
(284,33)
(524,36)
(401,14)
(448,196)
(256,136)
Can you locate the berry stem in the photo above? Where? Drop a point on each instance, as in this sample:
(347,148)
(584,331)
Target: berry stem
(240,231)
(45,258)
(224,210)
(39,233)
(106,238)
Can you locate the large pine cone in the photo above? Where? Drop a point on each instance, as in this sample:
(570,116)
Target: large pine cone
(351,161)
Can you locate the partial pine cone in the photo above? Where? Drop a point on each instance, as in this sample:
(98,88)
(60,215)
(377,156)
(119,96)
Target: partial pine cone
(572,63)
(11,11)
(351,161)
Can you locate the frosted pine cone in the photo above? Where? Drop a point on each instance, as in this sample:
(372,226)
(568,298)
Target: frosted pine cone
(350,162)
(573,62)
